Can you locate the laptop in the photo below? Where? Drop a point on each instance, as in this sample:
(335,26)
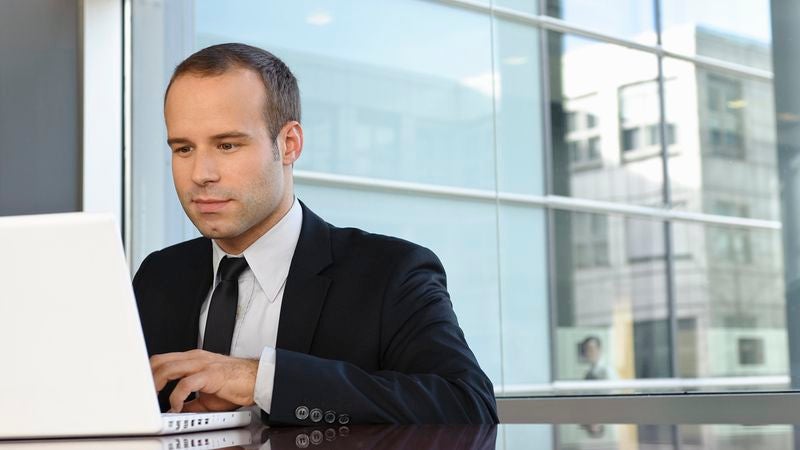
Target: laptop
(73,360)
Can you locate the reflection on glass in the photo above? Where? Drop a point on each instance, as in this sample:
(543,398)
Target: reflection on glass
(636,23)
(611,306)
(730,302)
(524,294)
(724,158)
(518,109)
(525,6)
(591,352)
(737,31)
(380,100)
(605,122)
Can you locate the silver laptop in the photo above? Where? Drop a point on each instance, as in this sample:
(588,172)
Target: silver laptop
(73,360)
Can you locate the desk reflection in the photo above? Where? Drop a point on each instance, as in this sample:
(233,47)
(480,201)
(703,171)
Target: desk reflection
(506,437)
(381,436)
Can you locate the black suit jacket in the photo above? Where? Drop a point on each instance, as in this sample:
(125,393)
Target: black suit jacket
(366,329)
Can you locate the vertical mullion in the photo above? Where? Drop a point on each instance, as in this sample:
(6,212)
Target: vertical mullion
(669,259)
(498,249)
(547,160)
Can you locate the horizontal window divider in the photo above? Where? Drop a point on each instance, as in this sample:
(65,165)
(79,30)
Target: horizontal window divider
(558,25)
(741,408)
(599,386)
(649,212)
(544,201)
(349,181)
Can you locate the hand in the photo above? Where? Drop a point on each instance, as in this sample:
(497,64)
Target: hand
(223,383)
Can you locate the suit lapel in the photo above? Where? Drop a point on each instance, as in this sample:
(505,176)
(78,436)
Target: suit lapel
(197,284)
(305,290)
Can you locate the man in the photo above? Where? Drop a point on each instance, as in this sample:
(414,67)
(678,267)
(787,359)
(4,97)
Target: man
(591,351)
(274,307)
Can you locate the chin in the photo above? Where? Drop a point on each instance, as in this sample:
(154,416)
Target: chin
(212,231)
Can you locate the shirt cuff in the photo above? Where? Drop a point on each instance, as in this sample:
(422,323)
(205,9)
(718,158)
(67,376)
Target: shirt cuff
(265,379)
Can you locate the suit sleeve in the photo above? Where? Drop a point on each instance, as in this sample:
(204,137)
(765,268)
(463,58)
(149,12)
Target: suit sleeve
(142,289)
(428,373)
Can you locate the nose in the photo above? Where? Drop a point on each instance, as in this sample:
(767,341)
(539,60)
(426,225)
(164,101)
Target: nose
(205,169)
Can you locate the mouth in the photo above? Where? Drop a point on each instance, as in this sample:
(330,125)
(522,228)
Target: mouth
(206,206)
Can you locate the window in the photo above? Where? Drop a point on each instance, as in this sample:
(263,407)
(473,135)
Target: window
(725,117)
(751,351)
(444,134)
(590,232)
(639,118)
(630,139)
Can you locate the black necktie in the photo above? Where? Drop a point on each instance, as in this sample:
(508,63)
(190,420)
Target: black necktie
(222,310)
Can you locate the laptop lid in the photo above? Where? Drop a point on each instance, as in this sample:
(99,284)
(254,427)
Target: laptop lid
(74,361)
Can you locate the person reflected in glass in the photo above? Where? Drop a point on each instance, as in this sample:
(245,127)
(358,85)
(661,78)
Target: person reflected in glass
(591,350)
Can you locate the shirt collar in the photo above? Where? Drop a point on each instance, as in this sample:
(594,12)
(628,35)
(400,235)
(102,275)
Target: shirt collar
(270,256)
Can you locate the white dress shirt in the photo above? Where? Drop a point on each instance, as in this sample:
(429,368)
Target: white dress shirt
(261,288)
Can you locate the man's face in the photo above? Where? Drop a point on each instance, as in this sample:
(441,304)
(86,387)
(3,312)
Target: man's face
(229,176)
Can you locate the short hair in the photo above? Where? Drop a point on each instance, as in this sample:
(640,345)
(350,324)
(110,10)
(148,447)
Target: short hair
(584,343)
(283,95)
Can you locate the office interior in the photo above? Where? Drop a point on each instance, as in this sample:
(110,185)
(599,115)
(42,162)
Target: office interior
(611,186)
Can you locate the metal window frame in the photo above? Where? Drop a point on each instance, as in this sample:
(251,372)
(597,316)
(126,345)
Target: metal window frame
(745,408)
(544,201)
(101,73)
(554,24)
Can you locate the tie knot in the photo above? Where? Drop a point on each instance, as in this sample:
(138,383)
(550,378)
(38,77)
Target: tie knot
(231,268)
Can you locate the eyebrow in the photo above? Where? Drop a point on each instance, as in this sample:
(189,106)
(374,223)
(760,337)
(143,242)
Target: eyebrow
(216,137)
(231,134)
(178,140)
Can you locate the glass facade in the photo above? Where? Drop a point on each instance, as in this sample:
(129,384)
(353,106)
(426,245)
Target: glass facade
(600,182)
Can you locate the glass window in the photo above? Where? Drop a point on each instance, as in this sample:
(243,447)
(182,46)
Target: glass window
(527,345)
(737,31)
(727,151)
(518,108)
(636,23)
(385,102)
(603,93)
(630,139)
(611,311)
(730,302)
(410,106)
(546,297)
(524,6)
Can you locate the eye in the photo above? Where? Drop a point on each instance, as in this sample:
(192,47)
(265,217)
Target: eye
(227,146)
(182,150)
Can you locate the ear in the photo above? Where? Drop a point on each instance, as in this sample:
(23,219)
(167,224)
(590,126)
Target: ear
(291,136)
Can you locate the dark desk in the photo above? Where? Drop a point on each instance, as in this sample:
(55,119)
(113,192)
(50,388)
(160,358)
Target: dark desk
(511,437)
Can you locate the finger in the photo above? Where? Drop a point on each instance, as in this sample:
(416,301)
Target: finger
(157,361)
(185,387)
(176,369)
(165,358)
(194,406)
